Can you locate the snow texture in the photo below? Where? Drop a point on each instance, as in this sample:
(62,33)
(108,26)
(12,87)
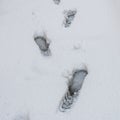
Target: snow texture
(22,117)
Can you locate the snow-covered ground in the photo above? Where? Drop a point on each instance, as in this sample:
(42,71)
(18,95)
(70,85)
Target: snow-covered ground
(32,85)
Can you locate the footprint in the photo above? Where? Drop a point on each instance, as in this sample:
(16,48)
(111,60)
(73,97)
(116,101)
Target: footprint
(74,86)
(43,44)
(57,2)
(69,17)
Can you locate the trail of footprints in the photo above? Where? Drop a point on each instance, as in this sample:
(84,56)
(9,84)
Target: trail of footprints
(78,75)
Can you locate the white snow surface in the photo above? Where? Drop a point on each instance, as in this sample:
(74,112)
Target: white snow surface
(33,85)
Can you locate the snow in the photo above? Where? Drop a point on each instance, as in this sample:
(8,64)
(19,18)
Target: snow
(32,84)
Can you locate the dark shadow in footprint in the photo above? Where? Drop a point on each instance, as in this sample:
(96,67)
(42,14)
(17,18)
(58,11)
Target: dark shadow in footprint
(69,17)
(43,44)
(57,2)
(74,87)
